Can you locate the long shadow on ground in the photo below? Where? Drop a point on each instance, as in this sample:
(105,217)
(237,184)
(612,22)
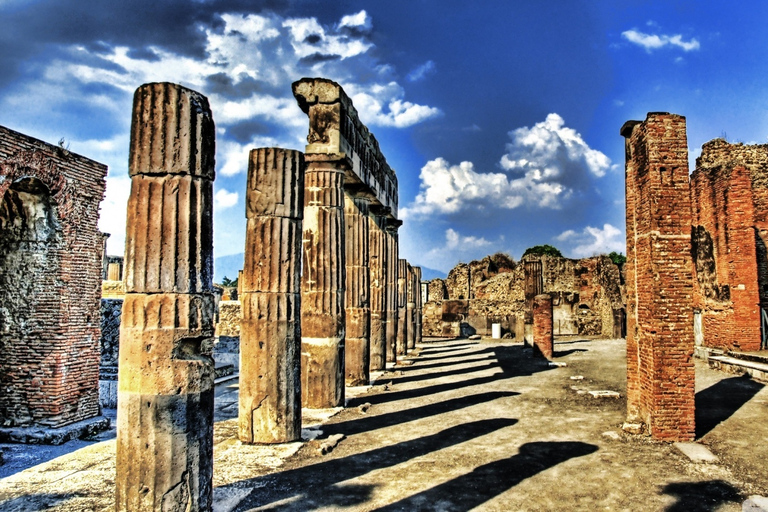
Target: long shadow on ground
(701,496)
(488,481)
(403,416)
(312,486)
(423,363)
(720,401)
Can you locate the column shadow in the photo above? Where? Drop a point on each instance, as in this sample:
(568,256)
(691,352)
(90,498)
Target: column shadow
(720,401)
(701,496)
(441,364)
(436,375)
(307,487)
(488,481)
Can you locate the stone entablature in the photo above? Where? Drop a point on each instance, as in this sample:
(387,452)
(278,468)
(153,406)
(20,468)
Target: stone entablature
(336,131)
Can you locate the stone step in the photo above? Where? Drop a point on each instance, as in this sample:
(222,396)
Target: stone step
(223,370)
(755,357)
(756,370)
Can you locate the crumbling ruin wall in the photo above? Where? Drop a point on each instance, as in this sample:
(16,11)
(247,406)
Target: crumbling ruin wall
(729,199)
(50,276)
(226,343)
(111,311)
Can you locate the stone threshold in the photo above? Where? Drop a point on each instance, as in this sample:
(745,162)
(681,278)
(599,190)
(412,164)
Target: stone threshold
(54,435)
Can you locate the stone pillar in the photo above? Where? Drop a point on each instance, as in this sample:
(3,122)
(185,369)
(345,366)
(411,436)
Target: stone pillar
(418,289)
(165,382)
(113,272)
(402,307)
(358,311)
(270,296)
(392,274)
(410,308)
(534,285)
(543,338)
(660,370)
(377,264)
(322,284)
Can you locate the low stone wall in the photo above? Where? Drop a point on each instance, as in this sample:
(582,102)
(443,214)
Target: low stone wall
(226,344)
(111,311)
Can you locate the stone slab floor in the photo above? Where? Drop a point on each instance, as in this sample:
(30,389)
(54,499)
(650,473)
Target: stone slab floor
(468,425)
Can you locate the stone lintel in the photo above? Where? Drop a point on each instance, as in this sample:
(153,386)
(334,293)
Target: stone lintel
(336,133)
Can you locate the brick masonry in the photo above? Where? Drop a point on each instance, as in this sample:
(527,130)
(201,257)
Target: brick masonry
(659,276)
(50,277)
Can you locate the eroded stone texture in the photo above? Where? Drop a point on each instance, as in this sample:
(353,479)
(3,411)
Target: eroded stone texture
(50,275)
(419,290)
(543,338)
(377,264)
(165,405)
(270,294)
(358,311)
(660,371)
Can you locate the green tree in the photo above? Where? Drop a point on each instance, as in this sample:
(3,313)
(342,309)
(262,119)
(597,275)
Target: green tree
(617,258)
(543,249)
(229,283)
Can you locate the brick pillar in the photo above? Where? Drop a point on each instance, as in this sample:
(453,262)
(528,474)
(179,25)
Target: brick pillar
(534,285)
(392,269)
(358,311)
(419,301)
(165,384)
(402,307)
(410,308)
(543,338)
(377,264)
(322,285)
(660,371)
(270,297)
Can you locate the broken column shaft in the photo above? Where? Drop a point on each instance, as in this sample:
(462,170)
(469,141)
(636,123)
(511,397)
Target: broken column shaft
(402,307)
(410,308)
(419,300)
(392,297)
(357,344)
(165,385)
(543,338)
(270,295)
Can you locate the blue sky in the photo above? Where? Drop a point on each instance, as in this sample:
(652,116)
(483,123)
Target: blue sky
(501,118)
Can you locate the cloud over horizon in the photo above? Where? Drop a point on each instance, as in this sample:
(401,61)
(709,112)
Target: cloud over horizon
(656,41)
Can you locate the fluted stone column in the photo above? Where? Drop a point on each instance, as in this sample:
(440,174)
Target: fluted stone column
(410,308)
(377,263)
(392,267)
(403,319)
(165,384)
(358,311)
(270,295)
(322,284)
(419,301)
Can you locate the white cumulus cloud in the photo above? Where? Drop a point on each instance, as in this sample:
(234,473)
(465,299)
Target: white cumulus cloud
(591,240)
(223,198)
(544,165)
(657,41)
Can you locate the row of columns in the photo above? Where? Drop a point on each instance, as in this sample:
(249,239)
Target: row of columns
(323,297)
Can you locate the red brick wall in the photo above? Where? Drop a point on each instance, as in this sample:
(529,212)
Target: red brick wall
(660,372)
(50,283)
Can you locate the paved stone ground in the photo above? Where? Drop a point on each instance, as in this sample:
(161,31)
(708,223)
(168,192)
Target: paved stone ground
(469,425)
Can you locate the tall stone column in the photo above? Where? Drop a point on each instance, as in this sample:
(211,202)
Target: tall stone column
(660,369)
(322,284)
(403,320)
(165,383)
(377,264)
(410,308)
(392,269)
(270,295)
(419,301)
(358,311)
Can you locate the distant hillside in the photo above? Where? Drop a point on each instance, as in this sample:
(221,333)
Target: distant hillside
(229,266)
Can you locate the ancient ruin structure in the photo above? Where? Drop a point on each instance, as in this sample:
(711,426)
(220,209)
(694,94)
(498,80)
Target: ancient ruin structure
(358,288)
(419,301)
(165,385)
(660,371)
(543,338)
(729,197)
(392,288)
(410,307)
(341,154)
(50,274)
(270,334)
(586,296)
(404,321)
